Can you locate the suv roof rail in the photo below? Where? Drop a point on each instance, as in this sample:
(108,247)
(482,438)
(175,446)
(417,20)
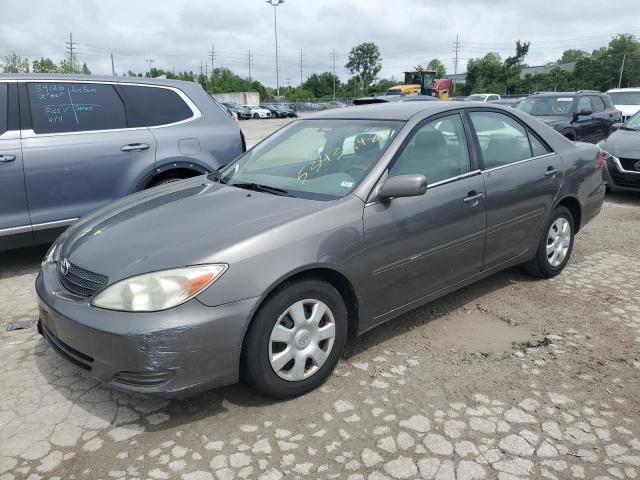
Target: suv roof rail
(588,91)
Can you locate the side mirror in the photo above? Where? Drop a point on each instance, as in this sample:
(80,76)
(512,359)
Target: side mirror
(583,113)
(615,127)
(403,186)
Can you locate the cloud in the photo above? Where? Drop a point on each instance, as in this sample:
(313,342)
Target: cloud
(178,34)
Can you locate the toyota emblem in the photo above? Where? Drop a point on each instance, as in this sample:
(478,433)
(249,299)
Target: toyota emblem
(64,266)
(637,166)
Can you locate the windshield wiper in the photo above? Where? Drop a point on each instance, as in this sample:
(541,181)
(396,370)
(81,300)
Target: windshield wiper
(261,188)
(630,129)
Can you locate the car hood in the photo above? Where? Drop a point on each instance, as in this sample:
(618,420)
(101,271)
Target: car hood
(623,143)
(181,224)
(628,110)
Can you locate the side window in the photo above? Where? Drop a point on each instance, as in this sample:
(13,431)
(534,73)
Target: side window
(502,140)
(597,104)
(537,147)
(151,106)
(75,107)
(583,104)
(438,150)
(3,108)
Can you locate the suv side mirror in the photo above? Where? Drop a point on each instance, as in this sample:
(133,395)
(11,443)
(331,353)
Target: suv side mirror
(403,186)
(583,113)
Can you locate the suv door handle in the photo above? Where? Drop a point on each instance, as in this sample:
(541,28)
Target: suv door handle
(473,198)
(550,171)
(7,158)
(134,147)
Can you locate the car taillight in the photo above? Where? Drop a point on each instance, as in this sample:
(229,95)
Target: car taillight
(602,158)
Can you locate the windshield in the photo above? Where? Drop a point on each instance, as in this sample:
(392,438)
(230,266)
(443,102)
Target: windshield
(634,122)
(625,98)
(546,106)
(476,98)
(316,159)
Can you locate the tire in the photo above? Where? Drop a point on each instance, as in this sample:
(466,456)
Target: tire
(546,265)
(256,116)
(298,367)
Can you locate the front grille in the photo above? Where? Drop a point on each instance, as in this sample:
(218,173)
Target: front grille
(82,282)
(629,180)
(630,164)
(79,359)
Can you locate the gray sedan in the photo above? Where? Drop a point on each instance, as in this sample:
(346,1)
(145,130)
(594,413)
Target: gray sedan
(331,226)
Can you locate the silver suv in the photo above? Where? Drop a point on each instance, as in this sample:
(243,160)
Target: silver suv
(70,144)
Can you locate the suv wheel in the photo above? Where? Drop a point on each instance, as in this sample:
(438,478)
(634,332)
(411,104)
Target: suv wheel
(555,245)
(295,339)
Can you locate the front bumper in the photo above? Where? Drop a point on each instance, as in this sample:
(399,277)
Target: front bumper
(175,352)
(620,179)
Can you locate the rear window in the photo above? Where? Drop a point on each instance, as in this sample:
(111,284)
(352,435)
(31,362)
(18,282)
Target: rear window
(3,108)
(151,106)
(75,107)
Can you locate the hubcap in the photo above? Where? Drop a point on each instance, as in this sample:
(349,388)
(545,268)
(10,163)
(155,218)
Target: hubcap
(301,340)
(558,241)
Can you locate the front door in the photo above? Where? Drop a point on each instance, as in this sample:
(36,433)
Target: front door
(15,225)
(585,126)
(522,178)
(79,153)
(417,246)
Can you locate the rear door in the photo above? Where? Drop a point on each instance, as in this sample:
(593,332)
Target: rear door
(78,152)
(522,176)
(15,225)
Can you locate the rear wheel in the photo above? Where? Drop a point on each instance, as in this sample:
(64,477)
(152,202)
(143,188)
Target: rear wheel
(556,244)
(295,339)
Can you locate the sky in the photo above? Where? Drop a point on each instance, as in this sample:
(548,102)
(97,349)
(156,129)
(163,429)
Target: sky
(179,34)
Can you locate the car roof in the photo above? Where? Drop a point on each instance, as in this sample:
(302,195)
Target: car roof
(395,110)
(95,78)
(629,89)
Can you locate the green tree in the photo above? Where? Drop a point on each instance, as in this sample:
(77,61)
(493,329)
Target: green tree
(602,69)
(66,66)
(12,63)
(364,61)
(572,55)
(321,84)
(438,66)
(44,65)
(85,70)
(485,74)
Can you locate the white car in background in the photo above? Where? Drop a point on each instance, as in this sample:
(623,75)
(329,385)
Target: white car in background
(483,97)
(627,100)
(257,112)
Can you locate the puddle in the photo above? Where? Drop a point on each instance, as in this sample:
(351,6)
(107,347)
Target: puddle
(476,332)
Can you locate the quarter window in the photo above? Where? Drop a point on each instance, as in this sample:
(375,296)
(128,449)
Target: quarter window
(438,150)
(3,108)
(502,140)
(152,106)
(583,104)
(75,107)
(537,147)
(598,104)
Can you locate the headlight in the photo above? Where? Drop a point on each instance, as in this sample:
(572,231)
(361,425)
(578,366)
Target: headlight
(52,254)
(158,290)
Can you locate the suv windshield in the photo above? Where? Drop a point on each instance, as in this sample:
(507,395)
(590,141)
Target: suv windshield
(315,159)
(625,98)
(546,106)
(476,98)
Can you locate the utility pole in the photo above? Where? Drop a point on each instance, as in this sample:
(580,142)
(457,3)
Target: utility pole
(624,56)
(113,69)
(301,69)
(333,57)
(212,56)
(274,4)
(201,68)
(149,61)
(70,50)
(250,60)
(456,49)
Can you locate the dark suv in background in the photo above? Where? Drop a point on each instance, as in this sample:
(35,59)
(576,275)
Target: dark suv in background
(70,144)
(585,115)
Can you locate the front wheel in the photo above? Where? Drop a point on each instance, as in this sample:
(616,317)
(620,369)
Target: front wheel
(255,115)
(555,245)
(295,339)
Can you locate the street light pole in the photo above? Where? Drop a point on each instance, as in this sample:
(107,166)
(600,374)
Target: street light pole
(274,4)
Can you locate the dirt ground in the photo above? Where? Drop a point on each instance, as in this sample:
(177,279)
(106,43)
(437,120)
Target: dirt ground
(512,377)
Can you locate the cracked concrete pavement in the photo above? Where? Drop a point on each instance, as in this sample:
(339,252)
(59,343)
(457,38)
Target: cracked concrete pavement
(402,403)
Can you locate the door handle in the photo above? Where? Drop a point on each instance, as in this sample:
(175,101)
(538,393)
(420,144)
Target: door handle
(473,198)
(550,171)
(7,158)
(134,147)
